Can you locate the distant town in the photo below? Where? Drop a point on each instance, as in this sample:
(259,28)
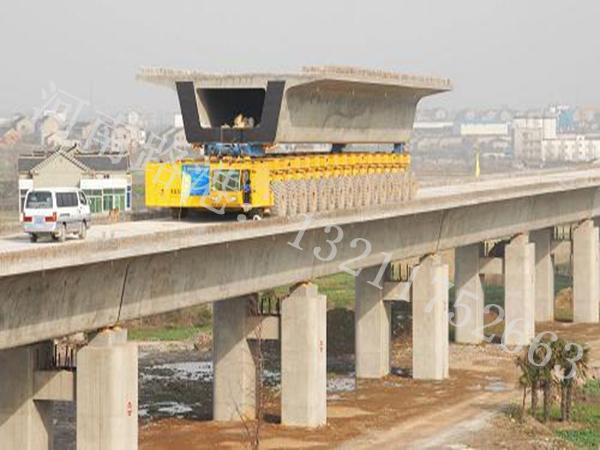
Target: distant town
(105,156)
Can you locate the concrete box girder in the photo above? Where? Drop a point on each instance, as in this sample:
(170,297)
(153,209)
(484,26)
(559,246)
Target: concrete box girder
(318,105)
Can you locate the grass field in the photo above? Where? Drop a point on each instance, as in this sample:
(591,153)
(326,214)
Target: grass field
(584,430)
(182,333)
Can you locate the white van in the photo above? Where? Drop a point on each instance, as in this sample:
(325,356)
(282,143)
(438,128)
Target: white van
(56,212)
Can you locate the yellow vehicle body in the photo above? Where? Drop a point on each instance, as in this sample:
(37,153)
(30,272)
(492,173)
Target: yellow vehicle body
(280,184)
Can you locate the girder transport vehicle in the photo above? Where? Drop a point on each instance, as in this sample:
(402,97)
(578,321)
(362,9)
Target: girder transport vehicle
(254,130)
(56,212)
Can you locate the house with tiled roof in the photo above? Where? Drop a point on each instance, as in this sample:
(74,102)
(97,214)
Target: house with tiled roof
(105,178)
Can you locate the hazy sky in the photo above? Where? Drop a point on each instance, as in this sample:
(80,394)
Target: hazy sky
(497,52)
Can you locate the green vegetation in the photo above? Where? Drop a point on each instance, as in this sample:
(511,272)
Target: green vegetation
(577,419)
(592,388)
(339,289)
(174,326)
(584,439)
(562,282)
(166,334)
(584,431)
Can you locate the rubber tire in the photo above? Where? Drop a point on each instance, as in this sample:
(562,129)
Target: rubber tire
(331,191)
(340,200)
(349,192)
(255,214)
(322,195)
(302,196)
(83,231)
(279,199)
(62,235)
(292,198)
(313,196)
(179,213)
(33,237)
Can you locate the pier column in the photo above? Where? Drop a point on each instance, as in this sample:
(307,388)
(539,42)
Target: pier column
(469,303)
(107,393)
(372,327)
(234,387)
(25,424)
(544,275)
(304,358)
(586,273)
(519,291)
(430,319)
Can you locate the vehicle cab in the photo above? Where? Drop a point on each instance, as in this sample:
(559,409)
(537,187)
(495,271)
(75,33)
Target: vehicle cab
(56,212)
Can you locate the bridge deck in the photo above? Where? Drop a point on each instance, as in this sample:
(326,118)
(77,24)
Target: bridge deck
(131,270)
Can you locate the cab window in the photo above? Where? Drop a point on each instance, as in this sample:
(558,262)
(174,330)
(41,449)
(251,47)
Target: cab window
(225,180)
(66,199)
(39,200)
(82,198)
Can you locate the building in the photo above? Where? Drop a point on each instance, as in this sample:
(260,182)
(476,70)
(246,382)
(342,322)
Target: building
(14,130)
(537,139)
(571,147)
(106,179)
(485,129)
(528,134)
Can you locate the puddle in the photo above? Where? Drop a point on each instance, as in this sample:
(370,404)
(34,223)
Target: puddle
(184,388)
(497,386)
(187,370)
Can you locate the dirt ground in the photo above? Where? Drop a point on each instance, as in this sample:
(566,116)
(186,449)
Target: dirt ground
(395,412)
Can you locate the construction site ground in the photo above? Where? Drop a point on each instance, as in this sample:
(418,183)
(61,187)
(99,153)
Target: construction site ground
(468,410)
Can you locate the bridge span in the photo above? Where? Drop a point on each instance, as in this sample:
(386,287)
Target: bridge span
(131,270)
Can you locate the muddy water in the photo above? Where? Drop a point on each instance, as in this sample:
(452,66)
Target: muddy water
(179,384)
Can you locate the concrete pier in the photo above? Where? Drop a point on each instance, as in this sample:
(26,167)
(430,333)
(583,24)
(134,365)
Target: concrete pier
(586,273)
(468,307)
(25,424)
(304,358)
(519,291)
(107,393)
(544,274)
(372,325)
(430,319)
(234,387)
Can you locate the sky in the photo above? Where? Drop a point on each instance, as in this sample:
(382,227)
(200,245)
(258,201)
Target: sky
(518,53)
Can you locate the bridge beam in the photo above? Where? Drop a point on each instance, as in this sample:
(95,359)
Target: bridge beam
(469,303)
(519,291)
(586,273)
(430,319)
(544,274)
(25,424)
(234,387)
(304,357)
(372,326)
(107,393)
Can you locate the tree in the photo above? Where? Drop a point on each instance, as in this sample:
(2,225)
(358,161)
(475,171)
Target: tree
(572,362)
(537,364)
